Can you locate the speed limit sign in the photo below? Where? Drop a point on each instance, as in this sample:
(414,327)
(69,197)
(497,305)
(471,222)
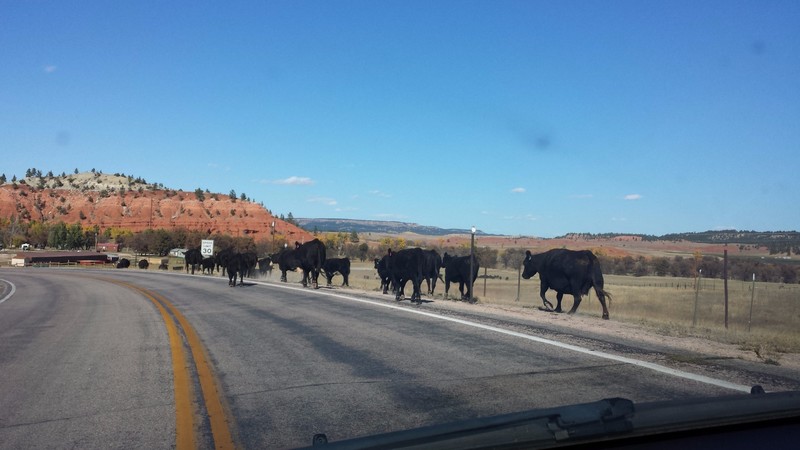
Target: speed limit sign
(207,247)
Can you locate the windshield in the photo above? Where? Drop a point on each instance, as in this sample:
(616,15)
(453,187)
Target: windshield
(605,193)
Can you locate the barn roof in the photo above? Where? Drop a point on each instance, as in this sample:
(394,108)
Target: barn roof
(61,257)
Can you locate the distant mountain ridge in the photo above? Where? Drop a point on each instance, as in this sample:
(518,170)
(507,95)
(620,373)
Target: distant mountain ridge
(791,238)
(376,226)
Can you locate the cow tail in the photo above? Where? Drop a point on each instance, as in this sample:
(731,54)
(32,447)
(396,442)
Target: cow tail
(597,281)
(605,294)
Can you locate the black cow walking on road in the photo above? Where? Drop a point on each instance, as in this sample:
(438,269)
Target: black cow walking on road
(265,266)
(208,265)
(383,273)
(309,257)
(235,265)
(193,258)
(405,265)
(334,265)
(456,270)
(567,272)
(432,269)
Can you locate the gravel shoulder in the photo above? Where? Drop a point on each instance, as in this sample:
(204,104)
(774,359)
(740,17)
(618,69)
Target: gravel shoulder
(778,372)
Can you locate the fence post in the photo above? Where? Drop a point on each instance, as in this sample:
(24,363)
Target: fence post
(752,299)
(696,294)
(725,279)
(485,269)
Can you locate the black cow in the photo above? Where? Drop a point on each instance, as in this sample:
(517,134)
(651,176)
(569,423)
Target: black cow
(404,265)
(431,271)
(193,258)
(340,265)
(456,270)
(264,266)
(221,259)
(249,261)
(208,265)
(309,257)
(383,273)
(144,264)
(567,272)
(235,265)
(123,263)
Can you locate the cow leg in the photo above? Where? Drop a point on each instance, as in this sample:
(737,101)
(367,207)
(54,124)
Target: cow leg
(283,276)
(345,282)
(315,279)
(575,305)
(601,296)
(559,296)
(399,286)
(428,280)
(547,305)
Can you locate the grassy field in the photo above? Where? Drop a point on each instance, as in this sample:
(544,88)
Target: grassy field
(663,303)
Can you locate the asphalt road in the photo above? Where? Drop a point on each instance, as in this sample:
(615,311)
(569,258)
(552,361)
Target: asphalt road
(87,360)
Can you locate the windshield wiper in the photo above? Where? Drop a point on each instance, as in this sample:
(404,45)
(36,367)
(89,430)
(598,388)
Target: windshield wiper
(546,425)
(609,420)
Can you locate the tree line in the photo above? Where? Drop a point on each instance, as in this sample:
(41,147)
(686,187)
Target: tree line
(61,236)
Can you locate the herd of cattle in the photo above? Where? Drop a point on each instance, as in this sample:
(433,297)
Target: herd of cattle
(564,271)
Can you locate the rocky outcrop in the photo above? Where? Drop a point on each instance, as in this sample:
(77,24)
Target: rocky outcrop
(112,203)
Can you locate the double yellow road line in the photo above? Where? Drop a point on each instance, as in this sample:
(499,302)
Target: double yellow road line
(185,420)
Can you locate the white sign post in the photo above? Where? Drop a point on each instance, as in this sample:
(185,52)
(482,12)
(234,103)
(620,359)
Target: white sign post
(207,248)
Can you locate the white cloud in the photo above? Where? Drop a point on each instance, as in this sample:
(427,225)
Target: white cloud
(50,69)
(518,190)
(324,200)
(295,181)
(633,197)
(379,193)
(525,218)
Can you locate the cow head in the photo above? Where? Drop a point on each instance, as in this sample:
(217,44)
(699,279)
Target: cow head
(446,258)
(529,267)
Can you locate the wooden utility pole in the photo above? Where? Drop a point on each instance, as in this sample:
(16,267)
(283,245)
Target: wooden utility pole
(725,282)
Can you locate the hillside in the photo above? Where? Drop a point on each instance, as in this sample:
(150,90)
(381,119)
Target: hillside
(121,201)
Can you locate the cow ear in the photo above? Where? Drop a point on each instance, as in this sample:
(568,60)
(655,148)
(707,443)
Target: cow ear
(527,254)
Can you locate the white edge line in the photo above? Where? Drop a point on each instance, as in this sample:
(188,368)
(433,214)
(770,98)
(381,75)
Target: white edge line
(13,290)
(575,348)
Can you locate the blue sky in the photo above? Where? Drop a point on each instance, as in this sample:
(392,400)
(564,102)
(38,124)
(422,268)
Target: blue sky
(530,118)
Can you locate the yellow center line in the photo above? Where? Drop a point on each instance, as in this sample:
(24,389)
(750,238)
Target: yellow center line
(217,416)
(184,412)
